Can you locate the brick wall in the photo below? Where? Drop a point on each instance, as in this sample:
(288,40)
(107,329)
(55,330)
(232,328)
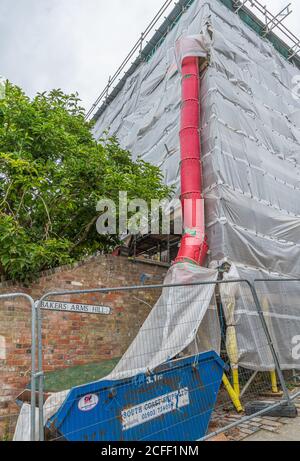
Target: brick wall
(71,339)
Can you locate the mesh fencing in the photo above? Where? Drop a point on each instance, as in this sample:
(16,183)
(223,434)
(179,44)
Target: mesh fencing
(157,407)
(254,335)
(169,333)
(170,384)
(17,322)
(190,320)
(280,301)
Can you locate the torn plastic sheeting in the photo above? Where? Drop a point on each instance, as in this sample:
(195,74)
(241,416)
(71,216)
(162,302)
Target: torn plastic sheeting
(208,337)
(172,324)
(51,406)
(194,45)
(23,427)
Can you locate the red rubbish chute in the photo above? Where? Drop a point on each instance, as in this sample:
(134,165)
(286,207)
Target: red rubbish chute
(194,246)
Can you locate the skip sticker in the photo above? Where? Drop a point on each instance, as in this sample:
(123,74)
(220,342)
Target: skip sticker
(88,402)
(155,408)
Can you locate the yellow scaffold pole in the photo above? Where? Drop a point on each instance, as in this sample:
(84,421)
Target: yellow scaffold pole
(232,394)
(233,354)
(236,380)
(275,389)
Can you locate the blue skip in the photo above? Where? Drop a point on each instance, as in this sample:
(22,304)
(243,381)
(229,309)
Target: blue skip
(173,404)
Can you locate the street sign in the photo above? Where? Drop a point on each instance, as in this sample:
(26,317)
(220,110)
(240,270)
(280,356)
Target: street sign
(58,306)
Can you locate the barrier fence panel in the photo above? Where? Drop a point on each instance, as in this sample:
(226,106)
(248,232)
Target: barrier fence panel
(17,360)
(280,301)
(104,323)
(147,396)
(167,362)
(255,372)
(173,325)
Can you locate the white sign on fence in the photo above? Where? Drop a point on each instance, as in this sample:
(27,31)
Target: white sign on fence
(75,308)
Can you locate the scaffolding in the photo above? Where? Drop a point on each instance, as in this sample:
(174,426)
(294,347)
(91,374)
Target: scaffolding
(140,52)
(272,23)
(267,27)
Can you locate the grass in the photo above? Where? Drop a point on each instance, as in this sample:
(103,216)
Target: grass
(68,378)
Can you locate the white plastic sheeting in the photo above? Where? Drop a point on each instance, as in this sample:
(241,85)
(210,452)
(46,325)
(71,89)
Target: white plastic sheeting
(173,323)
(250,149)
(250,134)
(51,406)
(194,45)
(23,427)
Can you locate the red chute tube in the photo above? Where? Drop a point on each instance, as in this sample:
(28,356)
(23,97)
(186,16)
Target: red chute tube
(194,246)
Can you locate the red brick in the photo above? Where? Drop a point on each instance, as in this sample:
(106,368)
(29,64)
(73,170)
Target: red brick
(70,339)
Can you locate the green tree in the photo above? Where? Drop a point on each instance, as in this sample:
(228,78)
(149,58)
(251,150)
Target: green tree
(52,174)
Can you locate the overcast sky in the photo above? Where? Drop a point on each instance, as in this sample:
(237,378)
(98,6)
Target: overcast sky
(76,44)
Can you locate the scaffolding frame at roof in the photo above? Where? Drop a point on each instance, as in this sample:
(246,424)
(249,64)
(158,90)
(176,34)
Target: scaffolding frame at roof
(140,53)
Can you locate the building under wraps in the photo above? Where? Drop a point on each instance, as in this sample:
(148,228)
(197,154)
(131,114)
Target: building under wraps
(250,134)
(250,130)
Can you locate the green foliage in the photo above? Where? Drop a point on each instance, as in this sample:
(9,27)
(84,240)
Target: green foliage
(52,174)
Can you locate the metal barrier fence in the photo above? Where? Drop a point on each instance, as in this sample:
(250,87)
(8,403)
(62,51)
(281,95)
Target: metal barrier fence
(8,424)
(218,330)
(137,299)
(280,301)
(255,351)
(9,389)
(144,400)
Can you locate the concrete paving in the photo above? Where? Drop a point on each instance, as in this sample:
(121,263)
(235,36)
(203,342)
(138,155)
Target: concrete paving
(287,433)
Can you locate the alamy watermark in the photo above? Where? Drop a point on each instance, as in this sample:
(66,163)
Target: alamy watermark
(296,348)
(296,86)
(159,218)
